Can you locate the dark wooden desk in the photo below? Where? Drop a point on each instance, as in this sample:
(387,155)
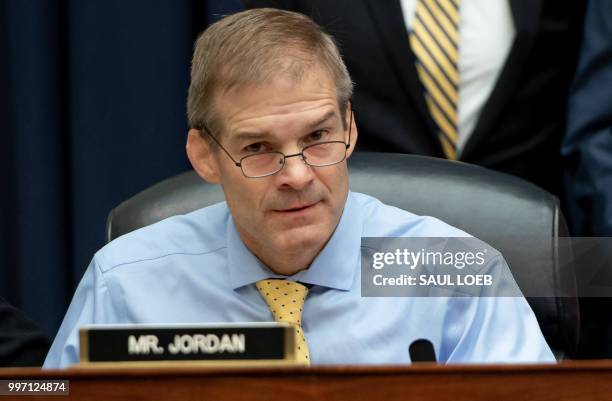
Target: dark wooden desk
(579,380)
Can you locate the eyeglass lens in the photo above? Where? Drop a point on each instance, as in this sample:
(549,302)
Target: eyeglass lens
(318,155)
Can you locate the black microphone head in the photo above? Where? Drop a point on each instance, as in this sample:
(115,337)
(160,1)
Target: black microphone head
(422,350)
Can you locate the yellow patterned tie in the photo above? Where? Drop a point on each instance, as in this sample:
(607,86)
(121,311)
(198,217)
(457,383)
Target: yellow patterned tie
(286,300)
(434,39)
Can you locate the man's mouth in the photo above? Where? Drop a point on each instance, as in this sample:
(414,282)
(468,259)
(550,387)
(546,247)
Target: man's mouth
(297,208)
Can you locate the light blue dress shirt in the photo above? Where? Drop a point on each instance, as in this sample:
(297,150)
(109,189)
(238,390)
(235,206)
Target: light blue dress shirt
(195,269)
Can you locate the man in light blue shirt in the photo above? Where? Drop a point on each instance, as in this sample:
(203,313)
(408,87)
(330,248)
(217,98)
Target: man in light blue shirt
(271,122)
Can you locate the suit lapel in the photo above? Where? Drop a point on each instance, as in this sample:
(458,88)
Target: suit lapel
(526,14)
(389,21)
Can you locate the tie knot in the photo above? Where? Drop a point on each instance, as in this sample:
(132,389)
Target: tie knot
(284,298)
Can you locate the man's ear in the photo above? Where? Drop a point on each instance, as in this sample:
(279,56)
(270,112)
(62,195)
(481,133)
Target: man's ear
(201,156)
(354,132)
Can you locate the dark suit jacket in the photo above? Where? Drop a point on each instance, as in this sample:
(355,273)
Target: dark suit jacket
(21,343)
(588,145)
(523,121)
(588,152)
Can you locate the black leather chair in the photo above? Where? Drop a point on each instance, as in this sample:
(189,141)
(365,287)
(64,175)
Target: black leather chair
(519,219)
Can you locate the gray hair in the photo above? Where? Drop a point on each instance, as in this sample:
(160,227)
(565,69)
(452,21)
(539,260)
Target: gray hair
(252,47)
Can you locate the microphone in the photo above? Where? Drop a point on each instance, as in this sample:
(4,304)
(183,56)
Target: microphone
(422,350)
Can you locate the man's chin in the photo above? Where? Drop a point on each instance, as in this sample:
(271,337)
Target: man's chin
(303,237)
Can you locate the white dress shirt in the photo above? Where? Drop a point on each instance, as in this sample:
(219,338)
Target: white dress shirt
(487,33)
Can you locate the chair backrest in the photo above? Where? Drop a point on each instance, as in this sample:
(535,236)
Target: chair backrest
(516,217)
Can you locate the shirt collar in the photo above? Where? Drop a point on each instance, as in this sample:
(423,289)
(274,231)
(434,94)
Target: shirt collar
(334,267)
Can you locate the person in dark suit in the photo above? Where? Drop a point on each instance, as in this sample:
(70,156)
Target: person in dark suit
(516,59)
(21,342)
(587,149)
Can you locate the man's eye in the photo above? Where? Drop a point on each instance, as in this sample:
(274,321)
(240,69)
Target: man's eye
(316,136)
(254,148)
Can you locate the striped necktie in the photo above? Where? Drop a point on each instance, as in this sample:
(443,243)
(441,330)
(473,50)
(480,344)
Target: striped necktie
(286,300)
(434,39)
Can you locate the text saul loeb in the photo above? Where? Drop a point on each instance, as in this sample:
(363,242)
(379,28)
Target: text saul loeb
(435,280)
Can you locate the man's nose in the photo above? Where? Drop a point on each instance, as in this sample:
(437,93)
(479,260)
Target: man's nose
(295,173)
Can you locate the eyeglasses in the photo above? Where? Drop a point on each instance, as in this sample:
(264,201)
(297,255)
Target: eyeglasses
(264,164)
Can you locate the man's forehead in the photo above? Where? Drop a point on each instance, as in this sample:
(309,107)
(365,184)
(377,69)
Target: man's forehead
(307,102)
(315,121)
